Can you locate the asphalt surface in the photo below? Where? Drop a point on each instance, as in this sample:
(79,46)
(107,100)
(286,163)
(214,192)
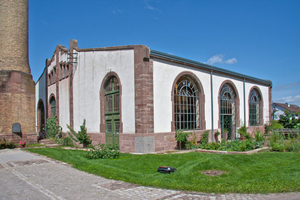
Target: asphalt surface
(29,176)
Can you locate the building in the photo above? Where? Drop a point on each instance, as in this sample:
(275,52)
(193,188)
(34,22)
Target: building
(17,89)
(281,107)
(138,97)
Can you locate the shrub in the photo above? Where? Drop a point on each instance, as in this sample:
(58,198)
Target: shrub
(4,144)
(22,144)
(181,138)
(53,130)
(82,137)
(204,137)
(104,152)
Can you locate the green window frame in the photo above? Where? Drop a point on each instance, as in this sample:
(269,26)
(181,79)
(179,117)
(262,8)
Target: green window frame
(254,108)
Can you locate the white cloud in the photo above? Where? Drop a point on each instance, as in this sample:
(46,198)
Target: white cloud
(148,6)
(215,59)
(290,99)
(219,59)
(231,61)
(117,11)
(287,86)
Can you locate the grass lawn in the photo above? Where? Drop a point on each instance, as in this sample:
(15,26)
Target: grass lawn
(258,173)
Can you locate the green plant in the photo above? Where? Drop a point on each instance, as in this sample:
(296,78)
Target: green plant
(204,137)
(53,129)
(181,137)
(82,137)
(259,137)
(4,144)
(242,131)
(22,144)
(104,151)
(194,139)
(217,133)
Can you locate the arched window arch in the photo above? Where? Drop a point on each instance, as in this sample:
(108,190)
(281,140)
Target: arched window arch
(187,104)
(52,106)
(228,110)
(254,108)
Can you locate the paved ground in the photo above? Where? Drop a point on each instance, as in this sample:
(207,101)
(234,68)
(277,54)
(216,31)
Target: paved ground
(29,176)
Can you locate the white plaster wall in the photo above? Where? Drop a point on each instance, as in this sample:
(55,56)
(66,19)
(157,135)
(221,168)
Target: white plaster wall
(265,96)
(40,93)
(88,76)
(164,74)
(64,104)
(52,64)
(52,89)
(63,57)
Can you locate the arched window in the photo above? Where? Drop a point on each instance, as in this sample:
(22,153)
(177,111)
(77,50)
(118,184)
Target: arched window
(112,110)
(228,112)
(41,116)
(254,108)
(186,104)
(52,106)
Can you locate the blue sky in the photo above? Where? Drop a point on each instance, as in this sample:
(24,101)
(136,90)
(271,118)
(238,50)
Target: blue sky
(256,38)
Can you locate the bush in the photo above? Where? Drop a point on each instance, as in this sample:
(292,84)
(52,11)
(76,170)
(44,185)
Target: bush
(53,130)
(4,144)
(104,152)
(82,137)
(204,137)
(181,138)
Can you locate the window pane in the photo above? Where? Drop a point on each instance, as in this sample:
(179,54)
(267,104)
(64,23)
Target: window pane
(108,103)
(116,102)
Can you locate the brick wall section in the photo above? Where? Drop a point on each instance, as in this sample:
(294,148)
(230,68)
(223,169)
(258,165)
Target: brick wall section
(17,89)
(17,102)
(14,35)
(143,79)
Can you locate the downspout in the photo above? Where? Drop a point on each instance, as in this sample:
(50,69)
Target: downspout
(244,104)
(212,107)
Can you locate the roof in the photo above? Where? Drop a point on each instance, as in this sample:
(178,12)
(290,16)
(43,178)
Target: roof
(172,58)
(289,107)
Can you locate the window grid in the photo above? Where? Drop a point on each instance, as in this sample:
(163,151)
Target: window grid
(254,108)
(187,104)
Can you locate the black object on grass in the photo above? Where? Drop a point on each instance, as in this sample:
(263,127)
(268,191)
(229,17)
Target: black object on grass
(163,169)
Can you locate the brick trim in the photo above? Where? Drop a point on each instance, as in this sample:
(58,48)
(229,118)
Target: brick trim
(237,102)
(102,102)
(143,82)
(261,105)
(202,99)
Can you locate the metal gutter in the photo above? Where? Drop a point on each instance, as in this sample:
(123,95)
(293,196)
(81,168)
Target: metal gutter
(212,107)
(244,103)
(165,56)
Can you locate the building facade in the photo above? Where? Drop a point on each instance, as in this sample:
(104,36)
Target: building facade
(138,98)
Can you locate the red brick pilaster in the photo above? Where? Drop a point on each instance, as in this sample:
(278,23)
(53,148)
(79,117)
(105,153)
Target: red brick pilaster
(143,81)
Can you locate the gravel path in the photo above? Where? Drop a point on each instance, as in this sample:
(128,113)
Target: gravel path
(28,176)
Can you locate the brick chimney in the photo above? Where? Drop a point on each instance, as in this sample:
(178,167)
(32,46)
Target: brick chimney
(17,89)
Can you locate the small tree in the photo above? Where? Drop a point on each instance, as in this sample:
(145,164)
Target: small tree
(53,129)
(82,137)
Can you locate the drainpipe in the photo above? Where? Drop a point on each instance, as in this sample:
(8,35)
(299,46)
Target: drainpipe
(244,105)
(212,107)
